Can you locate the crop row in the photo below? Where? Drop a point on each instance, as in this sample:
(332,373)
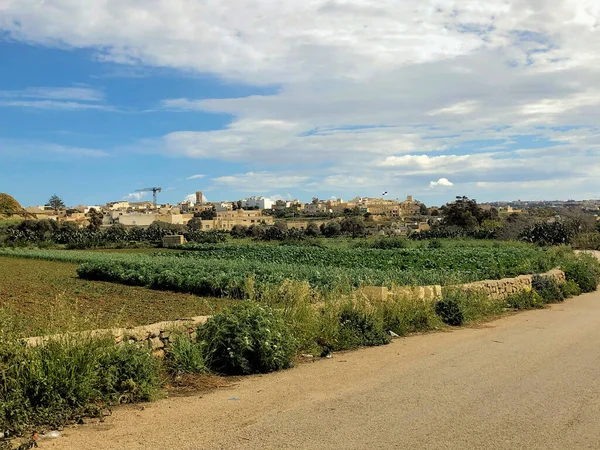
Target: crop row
(228,270)
(490,262)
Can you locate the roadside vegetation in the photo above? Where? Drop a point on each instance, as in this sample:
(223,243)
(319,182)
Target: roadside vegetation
(275,295)
(65,380)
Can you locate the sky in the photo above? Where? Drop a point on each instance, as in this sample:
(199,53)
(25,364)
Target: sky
(496,100)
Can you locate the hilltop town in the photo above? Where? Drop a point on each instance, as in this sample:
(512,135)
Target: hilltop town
(224,215)
(400,217)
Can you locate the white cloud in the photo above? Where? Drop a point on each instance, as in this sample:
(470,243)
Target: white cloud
(83,94)
(57,98)
(261,182)
(181,104)
(136,196)
(369,95)
(49,104)
(442,182)
(195,177)
(426,164)
(457,108)
(44,150)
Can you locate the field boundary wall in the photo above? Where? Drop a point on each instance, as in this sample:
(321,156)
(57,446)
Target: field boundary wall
(156,336)
(496,289)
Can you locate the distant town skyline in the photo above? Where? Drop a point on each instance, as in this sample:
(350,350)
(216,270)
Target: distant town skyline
(192,198)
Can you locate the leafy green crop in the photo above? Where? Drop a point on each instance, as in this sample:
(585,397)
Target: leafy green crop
(223,269)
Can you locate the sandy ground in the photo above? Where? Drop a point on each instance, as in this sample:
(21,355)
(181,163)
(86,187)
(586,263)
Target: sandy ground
(527,381)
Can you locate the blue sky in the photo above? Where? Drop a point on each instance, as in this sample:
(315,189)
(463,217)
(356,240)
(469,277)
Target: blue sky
(294,100)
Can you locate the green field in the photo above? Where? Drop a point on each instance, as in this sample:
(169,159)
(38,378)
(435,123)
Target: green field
(227,270)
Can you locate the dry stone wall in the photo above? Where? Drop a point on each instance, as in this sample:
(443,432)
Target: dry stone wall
(501,289)
(496,289)
(155,336)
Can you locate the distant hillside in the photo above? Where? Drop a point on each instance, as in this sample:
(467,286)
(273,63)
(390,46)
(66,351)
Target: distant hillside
(9,206)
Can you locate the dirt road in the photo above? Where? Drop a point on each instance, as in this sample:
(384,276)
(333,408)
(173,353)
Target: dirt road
(528,381)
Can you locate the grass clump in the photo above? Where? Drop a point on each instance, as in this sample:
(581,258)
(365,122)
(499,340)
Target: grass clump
(570,289)
(587,241)
(297,303)
(583,269)
(388,243)
(409,315)
(359,327)
(435,244)
(184,356)
(460,306)
(247,338)
(63,380)
(548,289)
(525,299)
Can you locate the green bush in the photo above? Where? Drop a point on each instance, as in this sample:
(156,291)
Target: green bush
(542,233)
(448,309)
(388,243)
(59,381)
(587,241)
(409,315)
(526,299)
(184,356)
(247,338)
(434,243)
(584,270)
(359,328)
(570,289)
(548,289)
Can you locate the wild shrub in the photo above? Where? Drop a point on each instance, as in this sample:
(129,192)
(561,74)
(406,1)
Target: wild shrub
(205,237)
(476,305)
(435,243)
(295,302)
(473,305)
(184,355)
(247,338)
(584,270)
(389,243)
(62,380)
(360,328)
(587,241)
(128,374)
(548,289)
(542,233)
(448,309)
(409,315)
(525,299)
(570,289)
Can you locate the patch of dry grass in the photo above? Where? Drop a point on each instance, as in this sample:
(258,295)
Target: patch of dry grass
(43,297)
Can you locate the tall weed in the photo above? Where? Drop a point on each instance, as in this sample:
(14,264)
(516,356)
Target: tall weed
(583,269)
(62,380)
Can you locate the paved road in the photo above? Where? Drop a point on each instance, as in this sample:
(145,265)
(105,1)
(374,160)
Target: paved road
(527,381)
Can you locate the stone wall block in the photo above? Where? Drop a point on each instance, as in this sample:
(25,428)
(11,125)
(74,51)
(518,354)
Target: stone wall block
(156,343)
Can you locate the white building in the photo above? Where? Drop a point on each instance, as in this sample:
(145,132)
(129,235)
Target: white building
(223,206)
(261,202)
(86,209)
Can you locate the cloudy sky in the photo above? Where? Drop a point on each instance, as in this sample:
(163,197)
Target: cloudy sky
(496,99)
